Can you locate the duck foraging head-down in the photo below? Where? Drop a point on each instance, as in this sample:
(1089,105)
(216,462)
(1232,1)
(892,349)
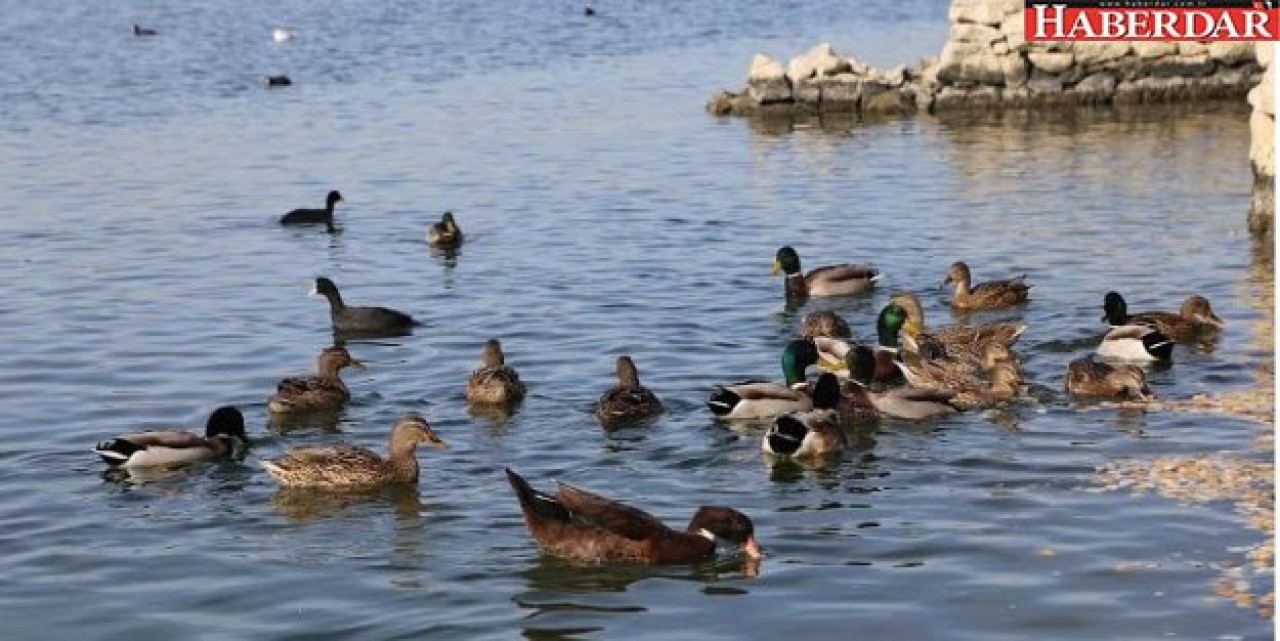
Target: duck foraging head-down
(445,234)
(816,432)
(1087,377)
(831,280)
(324,216)
(628,400)
(345,467)
(581,526)
(992,294)
(494,382)
(323,391)
(349,318)
(754,399)
(223,432)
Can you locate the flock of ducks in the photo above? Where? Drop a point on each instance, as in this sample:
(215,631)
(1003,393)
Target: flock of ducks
(278,34)
(913,371)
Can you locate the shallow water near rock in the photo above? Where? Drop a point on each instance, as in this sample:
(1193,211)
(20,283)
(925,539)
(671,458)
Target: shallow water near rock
(148,283)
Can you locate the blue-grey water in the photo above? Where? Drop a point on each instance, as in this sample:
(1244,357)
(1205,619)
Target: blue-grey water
(147,282)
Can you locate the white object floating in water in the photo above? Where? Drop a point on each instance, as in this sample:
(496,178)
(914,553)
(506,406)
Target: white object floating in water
(281,34)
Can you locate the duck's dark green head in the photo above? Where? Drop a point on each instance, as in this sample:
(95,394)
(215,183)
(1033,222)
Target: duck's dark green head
(862,364)
(226,421)
(1115,310)
(448,222)
(786,261)
(797,356)
(826,391)
(889,323)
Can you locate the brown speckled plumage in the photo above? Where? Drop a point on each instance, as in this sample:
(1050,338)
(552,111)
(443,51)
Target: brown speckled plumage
(494,382)
(992,294)
(324,391)
(349,467)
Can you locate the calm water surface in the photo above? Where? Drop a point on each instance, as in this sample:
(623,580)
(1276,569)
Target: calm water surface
(147,283)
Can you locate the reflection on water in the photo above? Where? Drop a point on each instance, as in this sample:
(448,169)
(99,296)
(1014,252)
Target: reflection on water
(302,505)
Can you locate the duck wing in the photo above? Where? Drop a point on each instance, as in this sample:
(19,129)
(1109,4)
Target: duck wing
(846,271)
(607,514)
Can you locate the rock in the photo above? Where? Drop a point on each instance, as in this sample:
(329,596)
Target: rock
(1262,96)
(882,100)
(1192,48)
(767,81)
(806,92)
(1262,158)
(818,61)
(956,99)
(1230,53)
(969,63)
(1015,70)
(1263,52)
(1096,89)
(1099,53)
(1041,82)
(1012,28)
(988,12)
(977,33)
(1148,49)
(1051,61)
(721,104)
(895,77)
(841,92)
(1193,65)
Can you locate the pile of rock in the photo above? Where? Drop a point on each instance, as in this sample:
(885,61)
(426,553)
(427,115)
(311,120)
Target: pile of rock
(820,81)
(987,62)
(1262,150)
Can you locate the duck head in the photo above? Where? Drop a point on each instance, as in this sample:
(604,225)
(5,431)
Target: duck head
(1114,309)
(226,423)
(826,391)
(1198,309)
(337,357)
(333,197)
(492,355)
(798,356)
(890,321)
(959,274)
(412,429)
(728,524)
(786,261)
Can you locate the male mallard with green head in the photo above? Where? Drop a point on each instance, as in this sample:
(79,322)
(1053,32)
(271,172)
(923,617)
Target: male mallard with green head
(755,399)
(628,400)
(494,382)
(346,467)
(1194,319)
(992,294)
(889,324)
(445,234)
(830,280)
(813,433)
(898,402)
(223,432)
(324,391)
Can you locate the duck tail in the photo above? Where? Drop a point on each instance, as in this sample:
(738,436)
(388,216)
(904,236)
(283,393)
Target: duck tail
(786,436)
(1158,345)
(723,400)
(116,451)
(536,505)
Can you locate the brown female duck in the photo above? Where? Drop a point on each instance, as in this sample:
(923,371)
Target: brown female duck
(1087,377)
(964,343)
(588,528)
(494,382)
(628,400)
(324,391)
(1194,319)
(992,294)
(825,324)
(345,467)
(831,280)
(445,234)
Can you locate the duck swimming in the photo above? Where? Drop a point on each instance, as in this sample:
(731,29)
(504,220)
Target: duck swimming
(445,234)
(588,528)
(494,382)
(1087,377)
(223,432)
(350,318)
(315,216)
(628,400)
(345,467)
(816,432)
(992,294)
(830,280)
(324,391)
(754,399)
(1194,319)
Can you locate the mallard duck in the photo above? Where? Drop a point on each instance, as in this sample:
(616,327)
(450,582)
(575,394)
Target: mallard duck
(347,318)
(831,280)
(314,393)
(223,431)
(1087,377)
(628,400)
(588,528)
(494,382)
(1135,343)
(1194,319)
(825,323)
(889,323)
(899,402)
(310,216)
(348,467)
(445,234)
(989,295)
(762,399)
(926,368)
(816,432)
(964,343)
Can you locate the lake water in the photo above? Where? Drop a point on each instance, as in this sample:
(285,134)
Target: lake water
(147,282)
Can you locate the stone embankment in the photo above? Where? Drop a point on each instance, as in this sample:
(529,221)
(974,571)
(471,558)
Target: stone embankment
(1262,150)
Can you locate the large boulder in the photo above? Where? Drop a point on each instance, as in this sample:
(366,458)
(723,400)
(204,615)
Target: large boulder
(988,12)
(1097,54)
(977,33)
(817,62)
(1231,53)
(969,63)
(767,81)
(1148,49)
(1053,62)
(1013,29)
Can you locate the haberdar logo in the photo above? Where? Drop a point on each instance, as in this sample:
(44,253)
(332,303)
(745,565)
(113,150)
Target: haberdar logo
(1086,20)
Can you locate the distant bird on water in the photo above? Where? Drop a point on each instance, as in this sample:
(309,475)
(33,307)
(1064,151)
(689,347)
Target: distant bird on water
(282,34)
(313,216)
(140,31)
(588,11)
(277,81)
